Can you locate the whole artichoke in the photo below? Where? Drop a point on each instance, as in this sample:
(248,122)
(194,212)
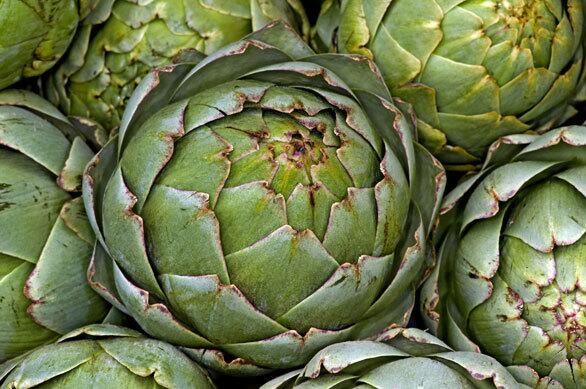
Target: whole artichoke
(398,358)
(260,204)
(512,280)
(34,34)
(104,357)
(473,70)
(45,239)
(117,46)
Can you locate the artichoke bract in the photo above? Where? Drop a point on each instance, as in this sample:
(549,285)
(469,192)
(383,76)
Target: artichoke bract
(34,34)
(511,280)
(262,203)
(118,45)
(45,239)
(473,70)
(104,356)
(398,358)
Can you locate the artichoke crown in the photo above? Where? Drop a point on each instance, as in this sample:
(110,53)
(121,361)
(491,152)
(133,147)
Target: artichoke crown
(120,41)
(473,70)
(45,238)
(104,356)
(397,358)
(513,257)
(228,199)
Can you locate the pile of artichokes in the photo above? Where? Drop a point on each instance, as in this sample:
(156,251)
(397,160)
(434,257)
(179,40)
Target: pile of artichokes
(293,194)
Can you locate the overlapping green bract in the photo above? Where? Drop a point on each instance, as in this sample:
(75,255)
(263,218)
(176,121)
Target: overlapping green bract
(34,34)
(45,238)
(473,70)
(259,204)
(119,43)
(511,280)
(104,356)
(398,358)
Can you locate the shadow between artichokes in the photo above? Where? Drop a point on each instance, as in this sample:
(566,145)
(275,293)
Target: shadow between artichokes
(104,356)
(511,274)
(262,203)
(473,70)
(398,358)
(45,239)
(122,40)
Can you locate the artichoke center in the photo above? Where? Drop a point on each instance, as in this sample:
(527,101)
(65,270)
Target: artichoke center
(301,150)
(572,316)
(283,152)
(561,315)
(518,21)
(514,11)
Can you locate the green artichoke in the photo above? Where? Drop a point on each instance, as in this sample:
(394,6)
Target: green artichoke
(399,358)
(46,241)
(474,70)
(119,45)
(511,280)
(259,204)
(106,357)
(34,34)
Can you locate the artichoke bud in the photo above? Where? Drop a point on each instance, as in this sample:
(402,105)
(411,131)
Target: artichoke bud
(263,203)
(104,356)
(49,27)
(123,39)
(540,279)
(397,358)
(511,281)
(46,240)
(251,206)
(473,70)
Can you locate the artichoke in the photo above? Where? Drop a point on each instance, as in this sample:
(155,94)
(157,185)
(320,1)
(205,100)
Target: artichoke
(511,280)
(473,70)
(118,45)
(106,357)
(224,208)
(45,239)
(398,358)
(49,27)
